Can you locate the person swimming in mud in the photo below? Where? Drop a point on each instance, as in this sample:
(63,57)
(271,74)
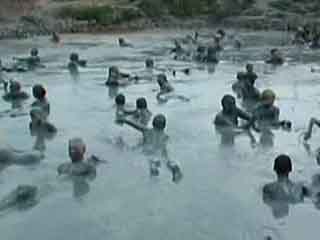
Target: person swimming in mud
(276,57)
(39,123)
(21,198)
(249,93)
(41,101)
(75,61)
(31,62)
(266,114)
(154,145)
(117,78)
(227,121)
(167,91)
(79,167)
(14,93)
(279,194)
(142,115)
(123,43)
(122,110)
(10,156)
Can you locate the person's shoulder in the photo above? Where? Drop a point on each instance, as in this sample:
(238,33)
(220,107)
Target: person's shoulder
(218,118)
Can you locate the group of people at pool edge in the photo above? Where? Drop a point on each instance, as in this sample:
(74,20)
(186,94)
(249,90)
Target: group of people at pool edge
(258,113)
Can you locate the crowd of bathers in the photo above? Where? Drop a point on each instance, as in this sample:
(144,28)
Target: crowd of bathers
(258,114)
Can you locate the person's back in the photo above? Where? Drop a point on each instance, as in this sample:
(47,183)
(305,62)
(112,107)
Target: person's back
(39,93)
(283,189)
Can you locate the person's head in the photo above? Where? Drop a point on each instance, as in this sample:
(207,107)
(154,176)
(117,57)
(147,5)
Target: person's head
(141,103)
(159,122)
(121,41)
(282,165)
(268,97)
(274,52)
(37,115)
(221,32)
(77,149)
(39,92)
(149,63)
(15,87)
(74,57)
(114,72)
(228,103)
(249,67)
(120,100)
(162,79)
(34,52)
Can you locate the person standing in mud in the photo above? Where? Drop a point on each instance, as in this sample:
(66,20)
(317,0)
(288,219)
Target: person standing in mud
(41,128)
(154,145)
(39,93)
(266,114)
(227,121)
(30,62)
(79,167)
(142,115)
(276,57)
(167,91)
(279,194)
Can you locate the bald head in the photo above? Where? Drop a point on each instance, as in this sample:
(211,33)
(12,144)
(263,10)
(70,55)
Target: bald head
(77,149)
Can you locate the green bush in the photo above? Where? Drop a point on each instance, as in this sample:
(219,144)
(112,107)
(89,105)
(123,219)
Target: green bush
(152,8)
(100,14)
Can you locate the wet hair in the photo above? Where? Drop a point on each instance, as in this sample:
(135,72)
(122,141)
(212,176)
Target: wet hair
(161,79)
(249,65)
(141,103)
(149,63)
(221,32)
(74,57)
(113,69)
(15,86)
(38,91)
(159,122)
(268,94)
(34,52)
(227,99)
(121,40)
(120,99)
(274,50)
(282,165)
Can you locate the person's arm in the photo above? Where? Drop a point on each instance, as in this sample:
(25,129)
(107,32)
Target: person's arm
(312,122)
(133,124)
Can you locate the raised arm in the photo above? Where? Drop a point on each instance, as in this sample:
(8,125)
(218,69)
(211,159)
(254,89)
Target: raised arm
(134,125)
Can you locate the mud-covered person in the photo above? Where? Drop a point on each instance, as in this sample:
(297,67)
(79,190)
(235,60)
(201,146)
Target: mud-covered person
(41,101)
(227,121)
(154,143)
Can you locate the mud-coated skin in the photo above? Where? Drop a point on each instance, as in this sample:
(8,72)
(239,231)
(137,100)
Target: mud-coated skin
(24,196)
(78,169)
(10,156)
(266,115)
